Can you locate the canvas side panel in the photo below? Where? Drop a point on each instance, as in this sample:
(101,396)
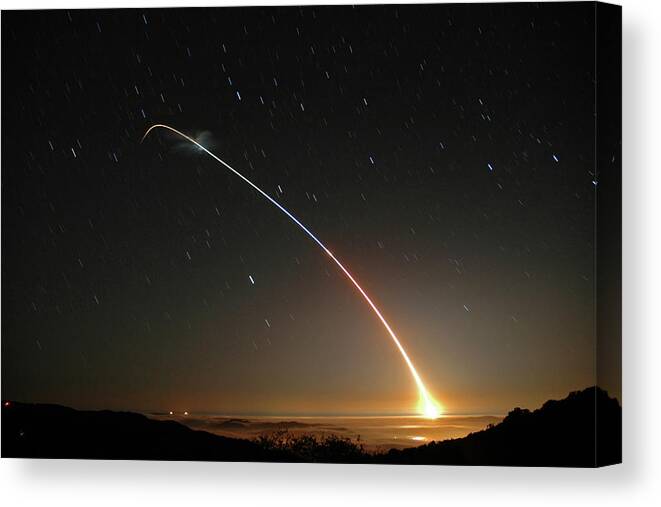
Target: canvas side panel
(608,159)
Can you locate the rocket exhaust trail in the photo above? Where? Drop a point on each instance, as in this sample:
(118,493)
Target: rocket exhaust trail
(429,407)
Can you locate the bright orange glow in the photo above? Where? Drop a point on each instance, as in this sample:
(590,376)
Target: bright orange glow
(427,406)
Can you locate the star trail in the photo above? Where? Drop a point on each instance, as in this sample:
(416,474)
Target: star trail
(445,154)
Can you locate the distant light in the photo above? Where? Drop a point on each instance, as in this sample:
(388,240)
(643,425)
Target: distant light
(418,438)
(556,158)
(252,280)
(490,167)
(171,412)
(185,413)
(7,404)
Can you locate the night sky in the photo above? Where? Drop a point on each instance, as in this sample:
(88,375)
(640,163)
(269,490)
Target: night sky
(444,153)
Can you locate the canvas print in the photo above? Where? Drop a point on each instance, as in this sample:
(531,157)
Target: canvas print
(383,234)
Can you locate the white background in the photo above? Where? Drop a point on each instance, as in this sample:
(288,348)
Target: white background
(636,482)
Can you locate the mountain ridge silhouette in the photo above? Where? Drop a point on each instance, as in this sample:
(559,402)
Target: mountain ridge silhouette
(582,430)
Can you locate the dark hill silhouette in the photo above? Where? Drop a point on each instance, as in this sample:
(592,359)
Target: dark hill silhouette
(560,433)
(53,431)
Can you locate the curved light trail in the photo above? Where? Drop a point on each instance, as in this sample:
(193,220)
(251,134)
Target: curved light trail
(427,405)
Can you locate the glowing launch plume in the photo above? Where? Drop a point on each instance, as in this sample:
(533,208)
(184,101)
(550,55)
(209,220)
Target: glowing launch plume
(428,407)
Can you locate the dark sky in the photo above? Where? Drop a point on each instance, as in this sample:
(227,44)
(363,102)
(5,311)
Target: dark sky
(444,153)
